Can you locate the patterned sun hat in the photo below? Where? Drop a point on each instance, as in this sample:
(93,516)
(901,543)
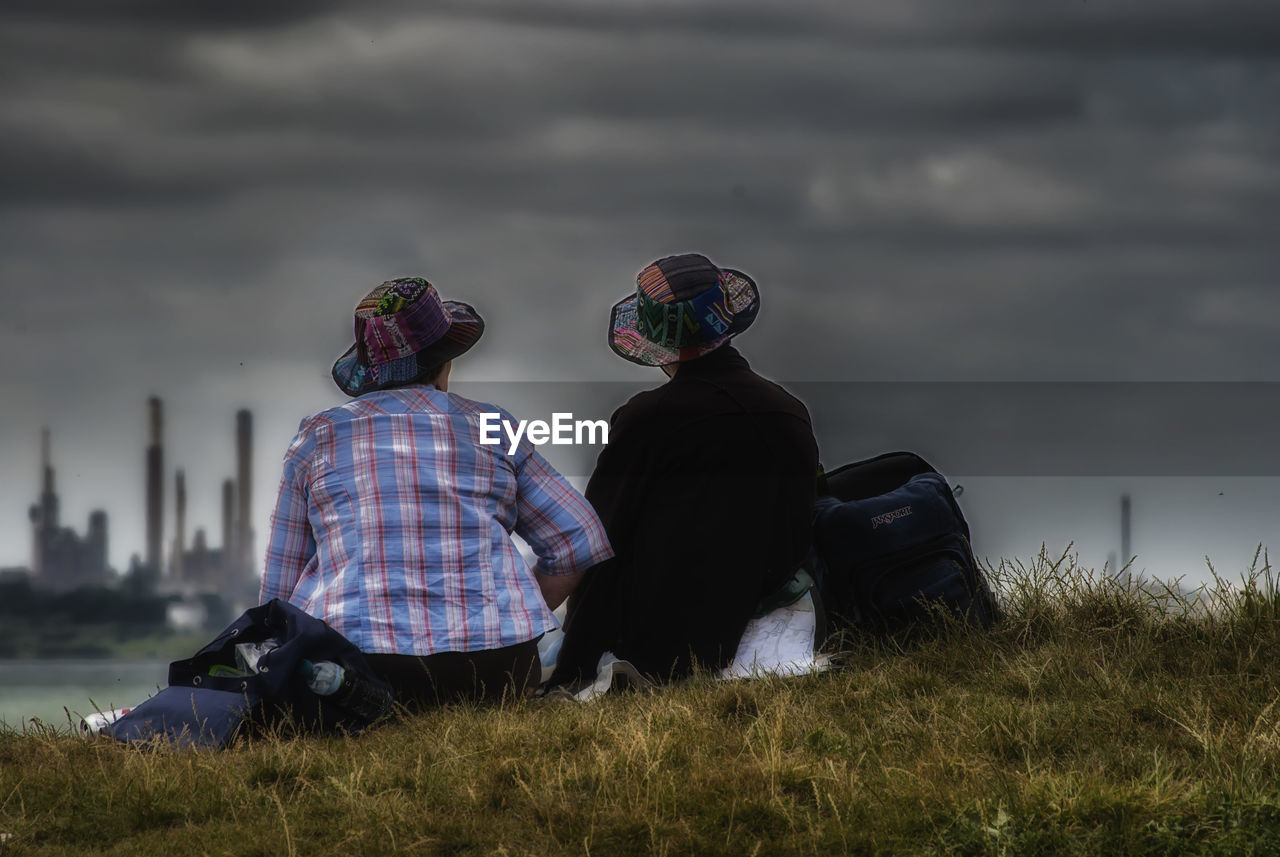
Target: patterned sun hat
(403,329)
(683,308)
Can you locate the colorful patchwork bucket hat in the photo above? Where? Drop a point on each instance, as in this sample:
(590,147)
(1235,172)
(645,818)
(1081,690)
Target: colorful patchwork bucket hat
(683,308)
(403,330)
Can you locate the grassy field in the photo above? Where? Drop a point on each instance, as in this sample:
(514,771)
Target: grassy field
(1097,719)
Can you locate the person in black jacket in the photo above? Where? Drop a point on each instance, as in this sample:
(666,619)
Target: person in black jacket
(705,488)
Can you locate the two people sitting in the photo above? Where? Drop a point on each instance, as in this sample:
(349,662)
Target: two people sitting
(393,521)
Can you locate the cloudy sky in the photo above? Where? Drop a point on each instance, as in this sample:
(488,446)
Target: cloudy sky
(1074,192)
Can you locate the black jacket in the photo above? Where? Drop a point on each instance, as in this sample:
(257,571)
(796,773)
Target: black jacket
(706,490)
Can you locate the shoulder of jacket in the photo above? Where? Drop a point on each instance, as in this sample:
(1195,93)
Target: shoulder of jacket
(643,405)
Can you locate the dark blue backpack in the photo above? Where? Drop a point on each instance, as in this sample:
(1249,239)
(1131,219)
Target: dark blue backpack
(893,548)
(205,705)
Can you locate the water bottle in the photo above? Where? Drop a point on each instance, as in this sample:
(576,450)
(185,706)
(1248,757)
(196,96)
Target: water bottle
(323,678)
(347,690)
(248,655)
(99,722)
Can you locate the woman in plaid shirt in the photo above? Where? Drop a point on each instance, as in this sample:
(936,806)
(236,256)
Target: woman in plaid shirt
(393,521)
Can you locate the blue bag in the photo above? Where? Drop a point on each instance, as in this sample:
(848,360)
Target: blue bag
(893,548)
(211,697)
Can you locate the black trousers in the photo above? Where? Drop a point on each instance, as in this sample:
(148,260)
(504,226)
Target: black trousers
(488,675)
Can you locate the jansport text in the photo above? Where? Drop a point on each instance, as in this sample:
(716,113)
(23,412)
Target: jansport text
(890,517)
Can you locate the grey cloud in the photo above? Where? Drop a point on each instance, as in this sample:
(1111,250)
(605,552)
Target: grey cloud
(1151,27)
(157,14)
(71,173)
(1182,27)
(450,131)
(924,190)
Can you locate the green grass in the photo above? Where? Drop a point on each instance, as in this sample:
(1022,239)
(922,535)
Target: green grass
(1097,719)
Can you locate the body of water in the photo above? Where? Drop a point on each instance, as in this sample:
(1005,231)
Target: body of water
(46,690)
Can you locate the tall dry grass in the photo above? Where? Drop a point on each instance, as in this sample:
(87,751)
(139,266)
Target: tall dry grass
(1100,717)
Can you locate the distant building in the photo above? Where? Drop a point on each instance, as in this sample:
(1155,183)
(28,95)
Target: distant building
(204,569)
(155,485)
(231,569)
(61,559)
(14,574)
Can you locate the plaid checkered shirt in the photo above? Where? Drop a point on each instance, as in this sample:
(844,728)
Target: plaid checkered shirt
(393,525)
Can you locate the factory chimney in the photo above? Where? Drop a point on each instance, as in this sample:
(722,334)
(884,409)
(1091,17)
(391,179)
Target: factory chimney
(244,485)
(228,519)
(177,565)
(155,487)
(96,546)
(44,516)
(48,497)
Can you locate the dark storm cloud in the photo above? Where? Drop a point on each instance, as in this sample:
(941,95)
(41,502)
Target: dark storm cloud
(1237,28)
(195,128)
(199,128)
(1184,27)
(66,172)
(158,14)
(192,195)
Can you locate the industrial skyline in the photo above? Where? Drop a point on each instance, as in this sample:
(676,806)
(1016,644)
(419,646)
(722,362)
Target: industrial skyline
(63,559)
(60,557)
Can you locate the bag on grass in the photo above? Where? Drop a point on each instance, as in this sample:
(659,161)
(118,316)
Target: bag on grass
(252,675)
(894,548)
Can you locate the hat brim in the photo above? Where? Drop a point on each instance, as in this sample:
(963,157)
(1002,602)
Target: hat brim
(626,340)
(356,379)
